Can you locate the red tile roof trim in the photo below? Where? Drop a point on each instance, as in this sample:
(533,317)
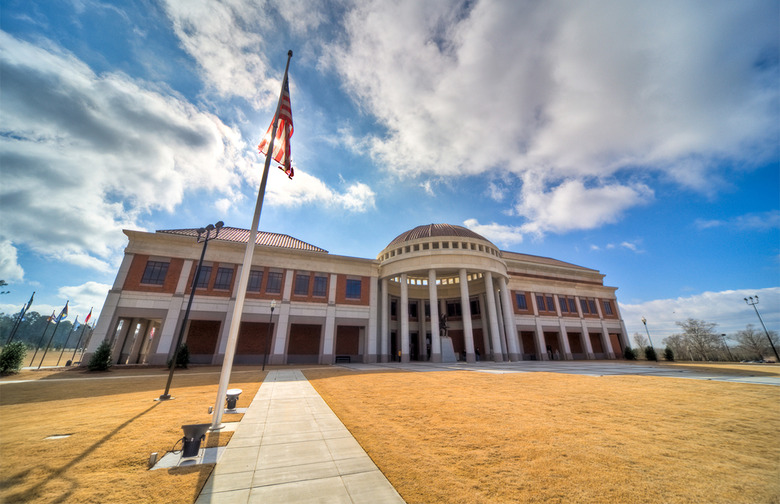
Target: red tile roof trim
(264,238)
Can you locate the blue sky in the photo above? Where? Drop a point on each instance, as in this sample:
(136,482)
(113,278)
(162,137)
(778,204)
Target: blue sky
(640,139)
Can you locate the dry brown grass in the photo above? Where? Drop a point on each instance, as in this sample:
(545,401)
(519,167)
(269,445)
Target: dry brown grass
(464,437)
(115,425)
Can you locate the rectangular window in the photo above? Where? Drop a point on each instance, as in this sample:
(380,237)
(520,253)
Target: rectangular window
(393,309)
(353,288)
(302,284)
(608,308)
(453,309)
(584,305)
(203,277)
(540,303)
(255,281)
(592,307)
(413,310)
(550,303)
(572,305)
(428,309)
(274,284)
(155,272)
(320,286)
(224,278)
(522,304)
(474,305)
(564,304)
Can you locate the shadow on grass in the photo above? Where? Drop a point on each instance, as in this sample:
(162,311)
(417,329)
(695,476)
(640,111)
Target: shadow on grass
(55,476)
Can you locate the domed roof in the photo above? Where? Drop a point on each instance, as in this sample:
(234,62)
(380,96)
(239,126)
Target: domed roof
(435,230)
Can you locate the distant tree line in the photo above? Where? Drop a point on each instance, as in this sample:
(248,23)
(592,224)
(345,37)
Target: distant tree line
(699,341)
(31,329)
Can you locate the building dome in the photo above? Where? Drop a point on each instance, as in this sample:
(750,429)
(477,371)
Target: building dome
(435,231)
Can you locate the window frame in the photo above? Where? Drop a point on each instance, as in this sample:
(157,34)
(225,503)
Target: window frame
(219,283)
(274,282)
(521,296)
(204,277)
(320,290)
(157,274)
(350,286)
(301,285)
(255,273)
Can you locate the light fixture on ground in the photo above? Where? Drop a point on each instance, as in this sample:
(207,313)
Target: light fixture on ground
(205,235)
(644,321)
(193,435)
(268,335)
(753,301)
(232,398)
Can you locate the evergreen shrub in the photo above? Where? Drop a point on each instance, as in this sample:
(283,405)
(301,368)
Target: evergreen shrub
(11,358)
(629,353)
(650,354)
(182,357)
(668,354)
(101,359)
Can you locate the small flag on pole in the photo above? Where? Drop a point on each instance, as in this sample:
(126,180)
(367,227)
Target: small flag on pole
(89,316)
(75,324)
(63,313)
(29,303)
(284,131)
(53,318)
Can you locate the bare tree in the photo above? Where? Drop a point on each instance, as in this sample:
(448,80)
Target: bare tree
(753,343)
(640,341)
(701,337)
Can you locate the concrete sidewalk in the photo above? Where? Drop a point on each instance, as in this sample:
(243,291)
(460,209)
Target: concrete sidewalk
(290,448)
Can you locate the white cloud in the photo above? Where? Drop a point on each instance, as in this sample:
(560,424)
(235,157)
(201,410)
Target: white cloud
(90,295)
(10,270)
(572,205)
(306,189)
(85,155)
(568,94)
(727,308)
(501,235)
(763,221)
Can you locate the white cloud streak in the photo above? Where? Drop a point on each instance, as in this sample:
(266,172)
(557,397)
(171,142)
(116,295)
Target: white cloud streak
(578,100)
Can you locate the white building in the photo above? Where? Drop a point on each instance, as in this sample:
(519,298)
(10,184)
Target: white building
(437,292)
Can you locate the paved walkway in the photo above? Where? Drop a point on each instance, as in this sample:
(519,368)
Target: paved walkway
(597,368)
(290,447)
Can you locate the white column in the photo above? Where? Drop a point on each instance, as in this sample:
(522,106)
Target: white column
(565,341)
(168,331)
(611,354)
(371,350)
(501,331)
(465,308)
(278,355)
(540,341)
(487,348)
(509,320)
(329,336)
(404,316)
(385,317)
(492,318)
(433,296)
(586,340)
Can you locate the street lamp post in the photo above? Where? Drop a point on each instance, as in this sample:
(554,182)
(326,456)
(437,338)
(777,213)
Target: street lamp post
(731,357)
(644,321)
(205,234)
(753,302)
(268,335)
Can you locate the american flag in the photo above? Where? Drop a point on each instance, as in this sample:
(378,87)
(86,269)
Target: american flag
(284,131)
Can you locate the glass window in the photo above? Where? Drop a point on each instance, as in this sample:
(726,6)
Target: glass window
(540,303)
(522,304)
(255,281)
(584,305)
(203,278)
(155,272)
(320,286)
(550,303)
(453,309)
(274,284)
(353,288)
(474,305)
(302,284)
(224,278)
(393,309)
(564,304)
(592,306)
(572,305)
(413,310)
(607,308)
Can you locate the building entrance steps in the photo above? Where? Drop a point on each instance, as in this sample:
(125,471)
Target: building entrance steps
(290,447)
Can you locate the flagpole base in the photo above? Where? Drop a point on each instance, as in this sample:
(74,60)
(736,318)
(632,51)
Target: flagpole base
(165,397)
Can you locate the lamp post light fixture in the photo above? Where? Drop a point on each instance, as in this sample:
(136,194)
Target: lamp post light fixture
(204,235)
(644,321)
(753,302)
(731,357)
(268,335)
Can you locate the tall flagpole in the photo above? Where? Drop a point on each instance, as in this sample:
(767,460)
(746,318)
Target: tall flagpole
(238,308)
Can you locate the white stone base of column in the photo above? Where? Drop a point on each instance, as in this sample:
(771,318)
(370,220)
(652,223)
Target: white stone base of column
(385,358)
(591,356)
(497,357)
(276,360)
(404,358)
(327,359)
(568,356)
(370,359)
(471,358)
(513,357)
